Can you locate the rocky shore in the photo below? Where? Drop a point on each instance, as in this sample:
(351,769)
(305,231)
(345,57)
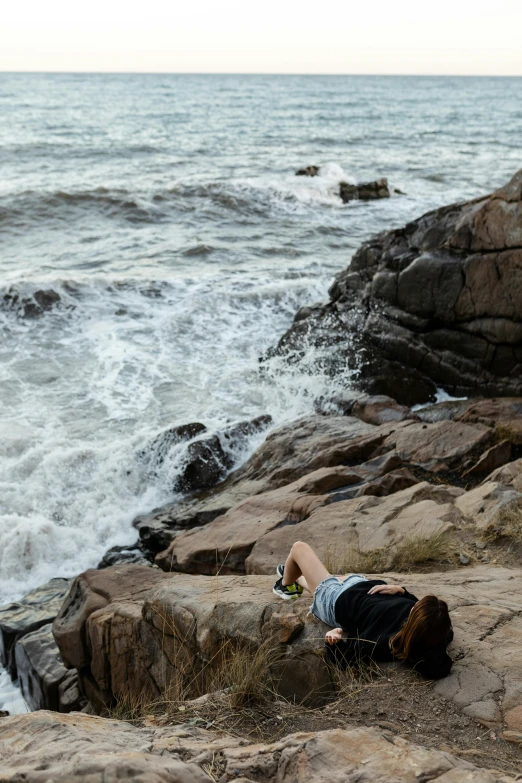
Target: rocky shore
(435,303)
(182,635)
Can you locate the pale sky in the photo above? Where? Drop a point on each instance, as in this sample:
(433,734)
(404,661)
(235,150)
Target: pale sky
(271,36)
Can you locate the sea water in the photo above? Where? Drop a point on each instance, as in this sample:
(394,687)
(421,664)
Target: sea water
(165,212)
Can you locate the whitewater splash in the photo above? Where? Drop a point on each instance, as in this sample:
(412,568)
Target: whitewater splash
(89,382)
(267,195)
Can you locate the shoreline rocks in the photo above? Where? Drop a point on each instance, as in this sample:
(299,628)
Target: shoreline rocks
(29,652)
(435,303)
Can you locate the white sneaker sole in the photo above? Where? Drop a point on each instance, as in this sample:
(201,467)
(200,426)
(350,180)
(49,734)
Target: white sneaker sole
(286,597)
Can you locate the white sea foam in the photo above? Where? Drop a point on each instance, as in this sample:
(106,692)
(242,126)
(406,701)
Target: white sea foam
(105,371)
(10,697)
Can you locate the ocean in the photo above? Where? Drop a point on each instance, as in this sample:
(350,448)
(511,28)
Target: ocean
(165,212)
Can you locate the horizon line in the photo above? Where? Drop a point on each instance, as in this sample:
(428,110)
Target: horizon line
(261,73)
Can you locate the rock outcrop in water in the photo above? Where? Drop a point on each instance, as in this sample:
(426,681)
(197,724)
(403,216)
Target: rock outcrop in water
(435,303)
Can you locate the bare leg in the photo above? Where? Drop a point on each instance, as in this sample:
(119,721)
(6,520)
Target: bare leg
(304,584)
(302,561)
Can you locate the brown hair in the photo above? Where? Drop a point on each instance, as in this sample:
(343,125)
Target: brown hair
(428,624)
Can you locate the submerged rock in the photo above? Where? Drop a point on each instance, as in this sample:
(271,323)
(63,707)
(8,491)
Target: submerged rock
(364,191)
(308,171)
(35,306)
(437,302)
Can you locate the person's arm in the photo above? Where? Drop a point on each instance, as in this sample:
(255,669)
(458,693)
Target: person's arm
(392,590)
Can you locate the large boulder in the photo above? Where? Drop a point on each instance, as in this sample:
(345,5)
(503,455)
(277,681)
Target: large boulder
(437,302)
(130,630)
(37,608)
(43,679)
(46,746)
(133,631)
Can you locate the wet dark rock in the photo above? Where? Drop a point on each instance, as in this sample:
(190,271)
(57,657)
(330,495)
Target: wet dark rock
(436,303)
(206,465)
(32,307)
(443,411)
(4,713)
(36,609)
(158,528)
(122,555)
(156,451)
(208,460)
(364,191)
(309,171)
(44,681)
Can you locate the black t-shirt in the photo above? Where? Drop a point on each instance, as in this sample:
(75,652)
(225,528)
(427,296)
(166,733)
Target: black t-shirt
(371,620)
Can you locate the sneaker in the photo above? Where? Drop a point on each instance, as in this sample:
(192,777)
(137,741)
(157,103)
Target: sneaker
(280,570)
(287,592)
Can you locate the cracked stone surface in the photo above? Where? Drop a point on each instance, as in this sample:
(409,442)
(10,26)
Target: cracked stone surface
(45,746)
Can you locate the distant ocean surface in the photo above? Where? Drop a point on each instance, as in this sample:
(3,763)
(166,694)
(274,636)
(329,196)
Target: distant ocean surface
(165,212)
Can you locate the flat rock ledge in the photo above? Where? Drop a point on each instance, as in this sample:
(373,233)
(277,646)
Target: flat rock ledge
(133,631)
(45,746)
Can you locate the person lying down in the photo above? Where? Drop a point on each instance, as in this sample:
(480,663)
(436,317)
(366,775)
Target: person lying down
(380,621)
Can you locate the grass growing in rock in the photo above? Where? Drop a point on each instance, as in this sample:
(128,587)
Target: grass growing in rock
(390,698)
(506,525)
(410,553)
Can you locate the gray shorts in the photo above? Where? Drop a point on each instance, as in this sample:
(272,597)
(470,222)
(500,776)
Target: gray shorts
(326,594)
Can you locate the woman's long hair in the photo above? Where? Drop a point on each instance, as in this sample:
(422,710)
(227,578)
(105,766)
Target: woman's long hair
(427,626)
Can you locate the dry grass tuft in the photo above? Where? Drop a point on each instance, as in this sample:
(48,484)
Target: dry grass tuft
(242,675)
(411,552)
(360,674)
(352,560)
(129,707)
(506,524)
(505,432)
(245,673)
(416,550)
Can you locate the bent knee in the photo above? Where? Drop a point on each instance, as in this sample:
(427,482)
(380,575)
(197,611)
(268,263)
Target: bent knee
(301,546)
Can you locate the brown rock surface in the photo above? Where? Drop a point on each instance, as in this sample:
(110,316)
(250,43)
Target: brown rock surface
(44,746)
(508,474)
(503,415)
(339,531)
(439,300)
(287,454)
(127,636)
(364,453)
